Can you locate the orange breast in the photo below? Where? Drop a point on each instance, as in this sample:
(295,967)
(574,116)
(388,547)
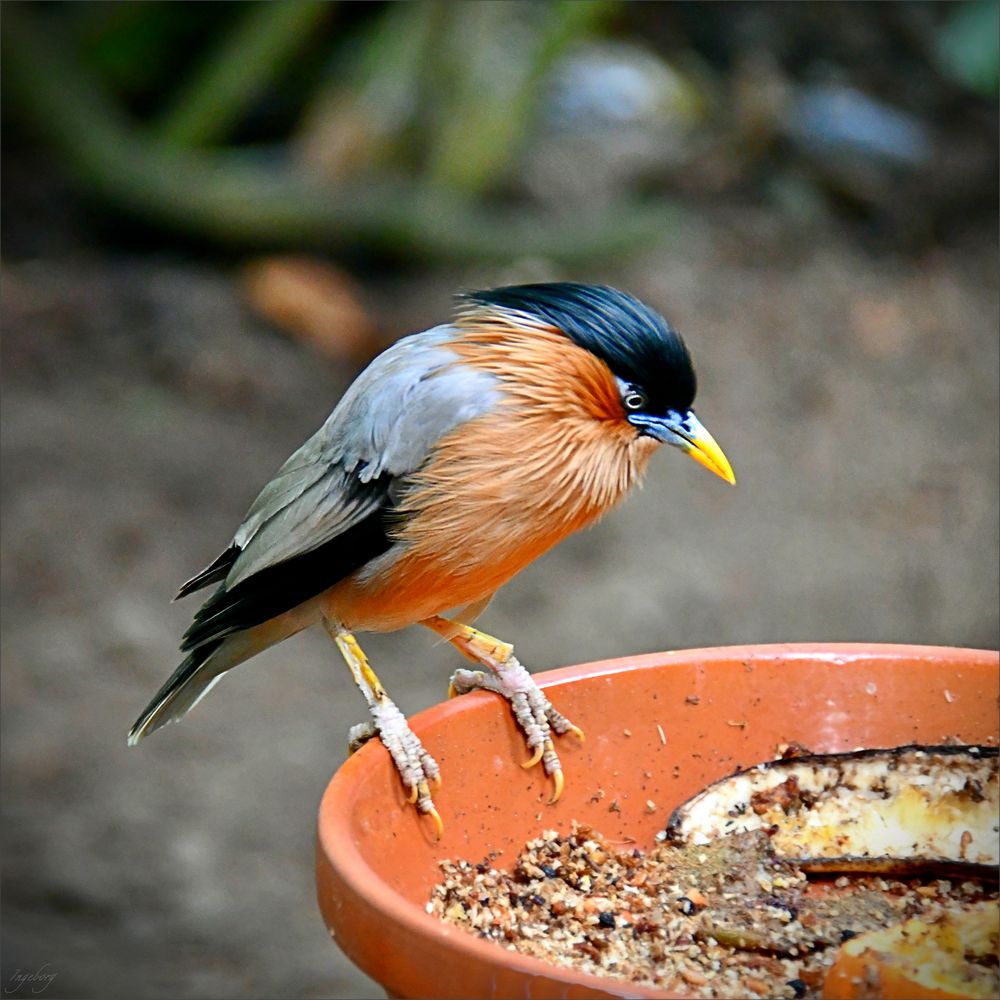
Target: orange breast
(505,487)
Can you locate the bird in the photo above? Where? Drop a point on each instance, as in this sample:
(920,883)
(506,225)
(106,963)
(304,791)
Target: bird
(455,459)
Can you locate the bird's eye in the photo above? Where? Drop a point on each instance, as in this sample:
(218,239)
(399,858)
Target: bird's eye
(634,399)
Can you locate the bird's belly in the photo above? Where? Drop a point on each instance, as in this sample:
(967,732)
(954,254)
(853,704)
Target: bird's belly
(406,586)
(478,515)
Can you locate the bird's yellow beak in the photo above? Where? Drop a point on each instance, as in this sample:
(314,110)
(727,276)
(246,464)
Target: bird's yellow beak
(685,431)
(704,449)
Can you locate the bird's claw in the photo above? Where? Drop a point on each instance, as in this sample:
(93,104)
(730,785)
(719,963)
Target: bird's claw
(547,752)
(416,767)
(359,735)
(534,714)
(536,756)
(422,789)
(557,781)
(420,796)
(438,825)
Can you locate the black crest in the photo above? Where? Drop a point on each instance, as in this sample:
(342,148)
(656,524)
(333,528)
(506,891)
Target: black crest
(636,342)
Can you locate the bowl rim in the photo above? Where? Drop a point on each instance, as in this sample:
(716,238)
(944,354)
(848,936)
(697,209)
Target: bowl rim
(336,842)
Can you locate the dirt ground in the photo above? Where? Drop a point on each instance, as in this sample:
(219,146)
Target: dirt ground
(144,406)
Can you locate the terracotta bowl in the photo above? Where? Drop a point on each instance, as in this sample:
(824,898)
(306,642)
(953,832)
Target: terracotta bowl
(659,727)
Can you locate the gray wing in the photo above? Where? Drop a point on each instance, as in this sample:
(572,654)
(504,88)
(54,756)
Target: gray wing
(383,428)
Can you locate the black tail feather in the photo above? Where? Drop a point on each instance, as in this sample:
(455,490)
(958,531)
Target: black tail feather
(264,596)
(177,695)
(210,574)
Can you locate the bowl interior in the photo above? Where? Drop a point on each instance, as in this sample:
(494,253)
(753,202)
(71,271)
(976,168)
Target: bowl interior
(658,728)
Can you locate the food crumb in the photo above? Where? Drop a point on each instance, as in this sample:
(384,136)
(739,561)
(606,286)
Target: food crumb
(948,696)
(650,806)
(964,842)
(737,723)
(696,895)
(692,699)
(871,687)
(692,977)
(626,732)
(716,918)
(663,735)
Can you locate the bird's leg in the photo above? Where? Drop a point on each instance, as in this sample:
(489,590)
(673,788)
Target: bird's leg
(415,765)
(532,710)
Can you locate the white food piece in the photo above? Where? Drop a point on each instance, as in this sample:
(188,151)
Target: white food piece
(928,805)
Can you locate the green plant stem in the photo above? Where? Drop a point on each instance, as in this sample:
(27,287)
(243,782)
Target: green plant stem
(371,98)
(239,203)
(215,98)
(484,120)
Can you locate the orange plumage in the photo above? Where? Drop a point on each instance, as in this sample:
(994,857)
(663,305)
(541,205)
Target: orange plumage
(473,518)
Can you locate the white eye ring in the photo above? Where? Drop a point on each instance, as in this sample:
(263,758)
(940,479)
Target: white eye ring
(634,400)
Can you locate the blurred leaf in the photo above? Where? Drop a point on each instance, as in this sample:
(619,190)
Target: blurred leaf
(363,113)
(487,71)
(239,202)
(257,47)
(969,45)
(132,46)
(315,301)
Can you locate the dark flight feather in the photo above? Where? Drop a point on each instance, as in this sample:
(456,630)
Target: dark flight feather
(212,573)
(279,588)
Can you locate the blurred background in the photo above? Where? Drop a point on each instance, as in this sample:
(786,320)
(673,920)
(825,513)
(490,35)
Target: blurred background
(214,214)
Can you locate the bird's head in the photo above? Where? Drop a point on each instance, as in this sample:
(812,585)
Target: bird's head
(649,361)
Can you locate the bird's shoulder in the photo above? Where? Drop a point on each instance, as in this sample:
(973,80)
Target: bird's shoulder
(384,427)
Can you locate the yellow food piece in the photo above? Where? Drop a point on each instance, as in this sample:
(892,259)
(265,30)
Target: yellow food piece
(859,811)
(917,821)
(948,957)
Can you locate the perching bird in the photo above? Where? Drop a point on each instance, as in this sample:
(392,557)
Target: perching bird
(458,456)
